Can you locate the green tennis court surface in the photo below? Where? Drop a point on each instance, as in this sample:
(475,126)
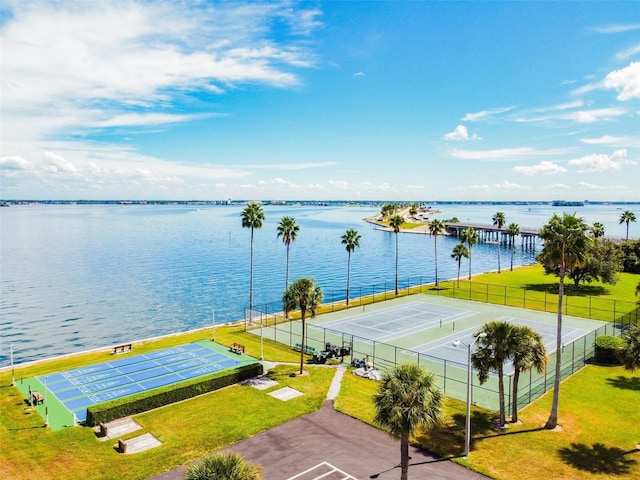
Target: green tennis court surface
(66,395)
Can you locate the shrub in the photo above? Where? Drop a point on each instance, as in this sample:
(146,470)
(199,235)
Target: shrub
(608,350)
(223,466)
(144,401)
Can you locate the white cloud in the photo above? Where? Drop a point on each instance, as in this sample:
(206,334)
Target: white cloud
(359,74)
(626,81)
(15,163)
(472,117)
(579,116)
(56,163)
(503,153)
(601,162)
(543,168)
(460,133)
(588,186)
(561,107)
(617,28)
(505,185)
(606,140)
(628,53)
(558,186)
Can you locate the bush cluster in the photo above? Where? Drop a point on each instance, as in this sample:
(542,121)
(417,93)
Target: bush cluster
(608,350)
(142,402)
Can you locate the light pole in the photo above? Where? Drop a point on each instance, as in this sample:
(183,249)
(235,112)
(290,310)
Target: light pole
(467,433)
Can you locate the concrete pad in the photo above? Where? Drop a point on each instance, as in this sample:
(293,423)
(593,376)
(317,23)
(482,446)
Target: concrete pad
(286,393)
(138,444)
(261,383)
(116,428)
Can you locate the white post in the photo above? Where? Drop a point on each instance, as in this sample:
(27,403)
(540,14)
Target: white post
(467,432)
(13,377)
(261,338)
(46,405)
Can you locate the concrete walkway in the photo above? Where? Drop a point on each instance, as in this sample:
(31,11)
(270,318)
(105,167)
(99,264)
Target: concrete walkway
(326,436)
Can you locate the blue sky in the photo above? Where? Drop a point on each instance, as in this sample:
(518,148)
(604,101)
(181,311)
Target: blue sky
(320,100)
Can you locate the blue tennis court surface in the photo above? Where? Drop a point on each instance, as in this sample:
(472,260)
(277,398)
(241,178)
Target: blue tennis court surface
(82,387)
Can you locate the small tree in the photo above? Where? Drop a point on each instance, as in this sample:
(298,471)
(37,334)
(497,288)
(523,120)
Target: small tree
(631,352)
(499,221)
(626,217)
(459,252)
(223,466)
(351,240)
(407,399)
(566,245)
(495,348)
(436,227)
(252,218)
(395,223)
(528,352)
(305,294)
(470,237)
(513,230)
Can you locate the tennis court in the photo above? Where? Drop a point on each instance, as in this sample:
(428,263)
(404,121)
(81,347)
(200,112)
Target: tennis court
(82,387)
(445,349)
(422,328)
(390,323)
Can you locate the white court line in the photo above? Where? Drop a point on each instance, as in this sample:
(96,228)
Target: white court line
(331,471)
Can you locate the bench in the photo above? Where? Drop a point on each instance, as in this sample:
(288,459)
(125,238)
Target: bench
(237,348)
(36,398)
(126,347)
(307,349)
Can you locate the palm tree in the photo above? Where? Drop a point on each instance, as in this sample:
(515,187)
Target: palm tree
(566,245)
(597,230)
(352,240)
(288,230)
(513,230)
(436,227)
(626,217)
(407,399)
(493,350)
(303,293)
(528,352)
(631,352)
(498,221)
(460,251)
(395,223)
(223,466)
(470,237)
(252,217)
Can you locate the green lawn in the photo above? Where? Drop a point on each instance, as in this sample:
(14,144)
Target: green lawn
(589,446)
(528,287)
(598,410)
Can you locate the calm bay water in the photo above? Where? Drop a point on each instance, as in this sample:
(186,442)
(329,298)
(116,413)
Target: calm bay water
(79,277)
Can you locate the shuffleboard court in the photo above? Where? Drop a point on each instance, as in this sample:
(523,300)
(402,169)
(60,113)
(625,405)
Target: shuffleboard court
(445,349)
(398,321)
(78,388)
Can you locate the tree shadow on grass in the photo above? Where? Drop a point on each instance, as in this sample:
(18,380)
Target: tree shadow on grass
(625,383)
(570,289)
(447,441)
(597,458)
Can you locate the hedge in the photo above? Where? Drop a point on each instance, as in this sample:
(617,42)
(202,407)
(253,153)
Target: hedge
(608,350)
(142,402)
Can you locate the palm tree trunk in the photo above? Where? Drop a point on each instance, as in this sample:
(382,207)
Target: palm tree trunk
(286,279)
(348,276)
(469,262)
(435,248)
(501,394)
(514,400)
(302,340)
(498,251)
(396,264)
(459,264)
(251,280)
(512,252)
(552,422)
(404,456)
